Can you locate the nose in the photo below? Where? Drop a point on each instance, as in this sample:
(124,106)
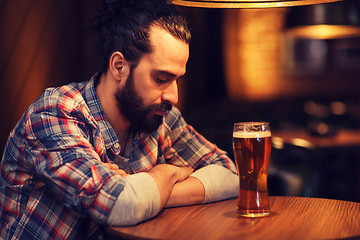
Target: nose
(171,93)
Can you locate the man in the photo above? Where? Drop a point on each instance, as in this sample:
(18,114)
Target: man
(112,151)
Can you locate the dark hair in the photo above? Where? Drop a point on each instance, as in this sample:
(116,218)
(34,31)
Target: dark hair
(123,25)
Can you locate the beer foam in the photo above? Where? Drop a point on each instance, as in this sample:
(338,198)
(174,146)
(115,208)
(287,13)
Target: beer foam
(252,134)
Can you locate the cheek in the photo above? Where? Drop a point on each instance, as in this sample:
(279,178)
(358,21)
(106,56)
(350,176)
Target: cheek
(149,92)
(146,87)
(151,97)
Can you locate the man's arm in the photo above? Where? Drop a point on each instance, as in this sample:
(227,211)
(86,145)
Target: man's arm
(145,194)
(208,184)
(217,173)
(188,192)
(166,176)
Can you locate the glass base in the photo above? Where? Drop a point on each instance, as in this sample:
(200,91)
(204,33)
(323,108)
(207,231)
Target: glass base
(254,214)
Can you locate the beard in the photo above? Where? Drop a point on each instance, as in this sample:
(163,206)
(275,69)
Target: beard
(133,109)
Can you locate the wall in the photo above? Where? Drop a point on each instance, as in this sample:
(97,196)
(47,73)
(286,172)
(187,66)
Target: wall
(42,44)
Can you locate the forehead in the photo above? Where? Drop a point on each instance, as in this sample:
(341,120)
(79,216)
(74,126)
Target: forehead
(168,53)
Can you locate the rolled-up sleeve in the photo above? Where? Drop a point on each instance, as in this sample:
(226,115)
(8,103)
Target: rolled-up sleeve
(139,201)
(219,182)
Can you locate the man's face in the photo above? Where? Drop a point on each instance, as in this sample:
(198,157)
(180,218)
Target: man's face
(133,108)
(151,88)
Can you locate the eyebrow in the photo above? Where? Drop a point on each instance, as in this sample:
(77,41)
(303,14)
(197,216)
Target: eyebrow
(169,74)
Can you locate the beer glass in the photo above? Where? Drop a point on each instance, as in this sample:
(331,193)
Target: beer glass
(252,148)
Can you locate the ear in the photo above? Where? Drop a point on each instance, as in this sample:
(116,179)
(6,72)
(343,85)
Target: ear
(118,66)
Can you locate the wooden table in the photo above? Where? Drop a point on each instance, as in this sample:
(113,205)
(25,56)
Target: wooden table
(291,218)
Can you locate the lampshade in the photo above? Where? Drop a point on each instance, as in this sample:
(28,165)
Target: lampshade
(247,3)
(325,21)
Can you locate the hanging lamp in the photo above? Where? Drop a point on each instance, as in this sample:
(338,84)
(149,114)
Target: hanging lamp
(246,3)
(324,21)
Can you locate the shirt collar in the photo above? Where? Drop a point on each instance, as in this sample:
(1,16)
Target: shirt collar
(98,113)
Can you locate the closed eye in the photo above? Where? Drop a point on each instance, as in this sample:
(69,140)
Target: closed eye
(162,77)
(160,80)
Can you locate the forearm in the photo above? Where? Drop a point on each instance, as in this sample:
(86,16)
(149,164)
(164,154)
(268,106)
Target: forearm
(145,194)
(208,184)
(188,192)
(165,183)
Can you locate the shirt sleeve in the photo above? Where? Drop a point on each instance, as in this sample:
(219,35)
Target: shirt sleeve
(64,149)
(219,183)
(139,201)
(184,146)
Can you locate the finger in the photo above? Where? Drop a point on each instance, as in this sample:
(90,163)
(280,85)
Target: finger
(122,173)
(111,166)
(116,169)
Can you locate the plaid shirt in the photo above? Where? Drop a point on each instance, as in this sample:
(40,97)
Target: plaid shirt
(52,184)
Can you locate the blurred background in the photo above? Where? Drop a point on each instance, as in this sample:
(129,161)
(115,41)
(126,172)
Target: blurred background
(245,65)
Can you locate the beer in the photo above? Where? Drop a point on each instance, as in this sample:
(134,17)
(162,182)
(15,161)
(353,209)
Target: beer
(252,155)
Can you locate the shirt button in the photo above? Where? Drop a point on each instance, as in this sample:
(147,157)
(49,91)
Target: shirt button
(116,145)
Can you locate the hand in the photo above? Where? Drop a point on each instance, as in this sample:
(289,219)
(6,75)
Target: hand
(188,192)
(183,173)
(165,176)
(178,174)
(116,169)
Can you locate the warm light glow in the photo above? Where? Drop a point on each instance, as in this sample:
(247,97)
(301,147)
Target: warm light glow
(251,48)
(301,143)
(277,142)
(324,31)
(338,108)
